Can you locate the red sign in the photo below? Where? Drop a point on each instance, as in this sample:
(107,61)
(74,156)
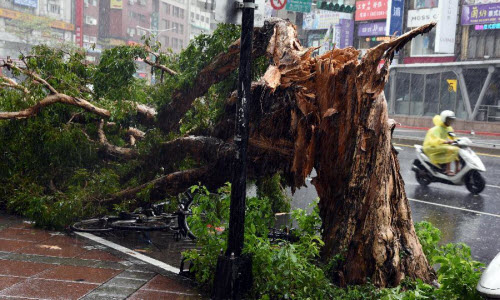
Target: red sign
(371,10)
(79,23)
(278,4)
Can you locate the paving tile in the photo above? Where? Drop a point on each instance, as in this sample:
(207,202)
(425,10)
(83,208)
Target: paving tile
(7,281)
(109,292)
(153,295)
(112,265)
(162,283)
(49,289)
(126,282)
(63,240)
(136,275)
(99,255)
(22,268)
(12,245)
(32,235)
(79,274)
(58,250)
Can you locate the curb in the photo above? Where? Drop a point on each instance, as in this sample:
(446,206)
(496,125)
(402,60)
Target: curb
(412,141)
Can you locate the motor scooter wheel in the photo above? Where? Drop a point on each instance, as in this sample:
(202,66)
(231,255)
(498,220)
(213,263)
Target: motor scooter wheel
(422,178)
(474,182)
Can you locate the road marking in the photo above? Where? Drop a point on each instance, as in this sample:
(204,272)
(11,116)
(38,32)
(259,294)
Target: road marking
(454,207)
(493,186)
(482,154)
(129,252)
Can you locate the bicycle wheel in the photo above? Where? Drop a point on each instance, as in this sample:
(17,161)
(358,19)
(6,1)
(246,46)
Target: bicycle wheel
(94,225)
(140,225)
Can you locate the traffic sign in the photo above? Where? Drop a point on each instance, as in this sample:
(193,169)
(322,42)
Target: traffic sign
(303,6)
(278,4)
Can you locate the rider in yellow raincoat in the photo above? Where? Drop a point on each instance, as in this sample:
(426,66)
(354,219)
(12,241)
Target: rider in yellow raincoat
(438,139)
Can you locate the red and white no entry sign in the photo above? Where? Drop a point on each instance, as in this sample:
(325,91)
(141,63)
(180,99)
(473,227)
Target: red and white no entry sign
(278,4)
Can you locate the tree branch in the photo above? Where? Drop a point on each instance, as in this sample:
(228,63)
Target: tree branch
(159,66)
(8,64)
(52,99)
(12,84)
(112,149)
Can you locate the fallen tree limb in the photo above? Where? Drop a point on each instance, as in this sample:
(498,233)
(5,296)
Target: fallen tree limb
(112,149)
(160,66)
(8,64)
(7,82)
(52,99)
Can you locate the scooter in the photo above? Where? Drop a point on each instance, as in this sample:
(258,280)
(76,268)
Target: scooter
(489,284)
(426,172)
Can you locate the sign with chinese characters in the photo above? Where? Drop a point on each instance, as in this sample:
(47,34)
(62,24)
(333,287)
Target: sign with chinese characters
(419,17)
(371,10)
(303,6)
(323,19)
(446,27)
(371,29)
(395,11)
(487,26)
(30,3)
(346,33)
(481,14)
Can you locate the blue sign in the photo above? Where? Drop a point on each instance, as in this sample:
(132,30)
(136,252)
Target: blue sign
(395,18)
(30,3)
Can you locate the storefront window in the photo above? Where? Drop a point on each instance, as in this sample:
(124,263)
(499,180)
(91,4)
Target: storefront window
(402,93)
(483,43)
(431,101)
(417,94)
(423,44)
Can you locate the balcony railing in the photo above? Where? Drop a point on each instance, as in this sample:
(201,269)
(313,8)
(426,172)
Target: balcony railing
(488,113)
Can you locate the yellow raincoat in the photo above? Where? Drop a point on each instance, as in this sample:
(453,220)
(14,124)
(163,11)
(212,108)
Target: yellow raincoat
(434,143)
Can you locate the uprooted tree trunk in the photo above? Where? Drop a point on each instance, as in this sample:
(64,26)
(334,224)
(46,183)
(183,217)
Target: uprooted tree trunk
(327,113)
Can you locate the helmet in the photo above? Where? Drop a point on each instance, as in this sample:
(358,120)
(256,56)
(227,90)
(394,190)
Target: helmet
(445,114)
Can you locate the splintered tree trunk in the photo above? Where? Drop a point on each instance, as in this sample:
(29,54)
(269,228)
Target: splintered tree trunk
(329,113)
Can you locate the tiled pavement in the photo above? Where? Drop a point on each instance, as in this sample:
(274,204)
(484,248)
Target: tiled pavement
(39,264)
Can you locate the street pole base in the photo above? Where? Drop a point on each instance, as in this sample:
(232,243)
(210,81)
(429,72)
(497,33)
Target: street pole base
(233,277)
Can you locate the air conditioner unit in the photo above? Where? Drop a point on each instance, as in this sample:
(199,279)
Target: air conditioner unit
(93,22)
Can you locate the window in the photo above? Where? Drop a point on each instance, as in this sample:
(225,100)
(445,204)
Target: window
(181,44)
(425,3)
(165,41)
(175,43)
(142,2)
(92,39)
(166,8)
(202,18)
(93,2)
(181,13)
(423,44)
(54,8)
(483,43)
(90,21)
(165,24)
(86,38)
(192,15)
(197,16)
(181,29)
(131,31)
(175,11)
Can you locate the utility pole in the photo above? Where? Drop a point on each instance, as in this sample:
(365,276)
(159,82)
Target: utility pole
(233,273)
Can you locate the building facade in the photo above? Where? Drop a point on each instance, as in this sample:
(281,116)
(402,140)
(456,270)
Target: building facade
(24,23)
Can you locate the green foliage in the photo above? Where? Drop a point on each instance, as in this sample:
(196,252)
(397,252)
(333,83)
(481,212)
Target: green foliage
(270,187)
(283,271)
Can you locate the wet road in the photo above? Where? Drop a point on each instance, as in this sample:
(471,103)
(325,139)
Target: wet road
(461,217)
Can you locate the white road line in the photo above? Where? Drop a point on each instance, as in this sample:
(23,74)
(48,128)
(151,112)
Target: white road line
(493,186)
(454,207)
(129,252)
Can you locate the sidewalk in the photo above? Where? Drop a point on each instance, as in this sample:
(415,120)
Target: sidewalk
(41,264)
(486,144)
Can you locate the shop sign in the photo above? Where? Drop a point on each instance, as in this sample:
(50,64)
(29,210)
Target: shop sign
(395,11)
(116,4)
(323,19)
(446,27)
(481,14)
(477,2)
(346,33)
(14,15)
(419,17)
(303,6)
(371,29)
(487,26)
(371,10)
(30,3)
(378,39)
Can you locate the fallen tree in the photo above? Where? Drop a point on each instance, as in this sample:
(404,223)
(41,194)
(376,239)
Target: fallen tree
(324,112)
